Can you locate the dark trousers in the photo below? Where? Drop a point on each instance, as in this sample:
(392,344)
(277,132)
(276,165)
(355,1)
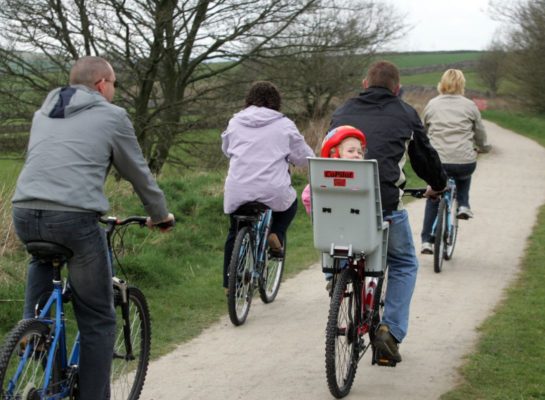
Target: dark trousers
(281,220)
(90,279)
(462,176)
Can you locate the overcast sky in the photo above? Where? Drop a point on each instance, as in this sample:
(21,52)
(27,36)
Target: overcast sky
(446,24)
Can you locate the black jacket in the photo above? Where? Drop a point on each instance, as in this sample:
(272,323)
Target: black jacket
(393,129)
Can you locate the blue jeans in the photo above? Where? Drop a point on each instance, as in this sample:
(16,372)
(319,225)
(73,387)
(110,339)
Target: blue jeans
(90,279)
(462,176)
(402,269)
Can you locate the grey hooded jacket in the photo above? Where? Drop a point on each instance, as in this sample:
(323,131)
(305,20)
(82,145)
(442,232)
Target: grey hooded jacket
(76,136)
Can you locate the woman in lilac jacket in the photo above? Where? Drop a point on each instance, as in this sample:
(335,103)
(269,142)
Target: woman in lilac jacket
(260,143)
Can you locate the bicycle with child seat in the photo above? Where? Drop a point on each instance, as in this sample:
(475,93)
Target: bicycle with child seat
(445,226)
(252,264)
(34,360)
(356,308)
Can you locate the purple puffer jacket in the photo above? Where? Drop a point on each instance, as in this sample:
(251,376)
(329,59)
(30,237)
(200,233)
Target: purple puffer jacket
(260,143)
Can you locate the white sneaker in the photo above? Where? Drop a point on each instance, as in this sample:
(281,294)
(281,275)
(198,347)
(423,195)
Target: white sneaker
(464,213)
(427,248)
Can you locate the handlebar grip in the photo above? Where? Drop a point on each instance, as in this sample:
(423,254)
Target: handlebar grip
(166,224)
(418,193)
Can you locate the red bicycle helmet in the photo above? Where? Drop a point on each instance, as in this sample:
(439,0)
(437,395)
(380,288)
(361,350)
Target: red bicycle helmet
(336,136)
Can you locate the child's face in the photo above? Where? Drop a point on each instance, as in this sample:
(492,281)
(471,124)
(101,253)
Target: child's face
(351,148)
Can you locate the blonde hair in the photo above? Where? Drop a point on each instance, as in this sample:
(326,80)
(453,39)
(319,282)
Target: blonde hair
(452,82)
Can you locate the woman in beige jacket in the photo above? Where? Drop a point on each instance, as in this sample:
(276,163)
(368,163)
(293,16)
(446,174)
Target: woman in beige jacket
(454,127)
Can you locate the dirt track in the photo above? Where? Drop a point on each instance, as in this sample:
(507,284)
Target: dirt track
(279,353)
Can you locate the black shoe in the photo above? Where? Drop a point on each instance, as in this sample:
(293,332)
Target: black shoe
(386,347)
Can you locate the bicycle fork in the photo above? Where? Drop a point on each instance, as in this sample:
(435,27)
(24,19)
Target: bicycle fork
(123,289)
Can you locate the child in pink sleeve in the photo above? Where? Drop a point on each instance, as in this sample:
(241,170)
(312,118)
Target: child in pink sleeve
(342,142)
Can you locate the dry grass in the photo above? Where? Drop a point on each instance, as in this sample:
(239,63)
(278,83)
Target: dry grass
(8,240)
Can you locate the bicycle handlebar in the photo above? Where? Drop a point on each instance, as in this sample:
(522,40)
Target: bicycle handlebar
(114,221)
(418,193)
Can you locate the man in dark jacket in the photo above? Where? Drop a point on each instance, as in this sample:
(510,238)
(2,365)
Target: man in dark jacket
(394,131)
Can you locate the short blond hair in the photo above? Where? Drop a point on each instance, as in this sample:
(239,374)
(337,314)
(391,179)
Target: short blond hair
(452,82)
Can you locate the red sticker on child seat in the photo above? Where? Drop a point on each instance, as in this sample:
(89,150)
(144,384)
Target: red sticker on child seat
(339,182)
(339,174)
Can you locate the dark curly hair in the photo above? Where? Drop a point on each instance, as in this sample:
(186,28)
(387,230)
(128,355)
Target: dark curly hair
(264,94)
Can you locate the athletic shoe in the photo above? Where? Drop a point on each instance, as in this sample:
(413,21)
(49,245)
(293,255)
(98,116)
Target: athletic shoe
(386,347)
(464,213)
(427,248)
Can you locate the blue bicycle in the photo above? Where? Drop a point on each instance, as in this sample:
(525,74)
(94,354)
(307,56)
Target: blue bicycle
(445,227)
(252,264)
(34,361)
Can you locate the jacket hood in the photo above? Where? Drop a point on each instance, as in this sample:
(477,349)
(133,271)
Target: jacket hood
(377,95)
(68,101)
(256,117)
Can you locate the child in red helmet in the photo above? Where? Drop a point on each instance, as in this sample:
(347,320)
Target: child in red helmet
(342,142)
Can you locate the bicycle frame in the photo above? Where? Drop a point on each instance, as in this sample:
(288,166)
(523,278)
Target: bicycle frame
(447,196)
(57,336)
(259,229)
(366,297)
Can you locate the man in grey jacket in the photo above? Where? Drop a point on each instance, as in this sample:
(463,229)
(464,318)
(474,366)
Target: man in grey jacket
(76,136)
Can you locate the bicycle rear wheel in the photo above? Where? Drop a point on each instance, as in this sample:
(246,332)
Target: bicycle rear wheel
(23,361)
(440,228)
(272,276)
(132,346)
(341,349)
(240,278)
(452,230)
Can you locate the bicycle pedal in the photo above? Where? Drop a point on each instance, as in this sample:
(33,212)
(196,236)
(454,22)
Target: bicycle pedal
(385,362)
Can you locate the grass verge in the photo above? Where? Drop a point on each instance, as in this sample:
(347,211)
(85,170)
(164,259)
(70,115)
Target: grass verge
(508,361)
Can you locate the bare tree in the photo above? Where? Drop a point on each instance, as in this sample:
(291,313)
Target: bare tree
(526,42)
(491,66)
(168,54)
(325,53)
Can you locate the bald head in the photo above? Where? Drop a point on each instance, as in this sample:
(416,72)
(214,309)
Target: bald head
(89,70)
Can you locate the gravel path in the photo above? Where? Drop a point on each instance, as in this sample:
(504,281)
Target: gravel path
(279,353)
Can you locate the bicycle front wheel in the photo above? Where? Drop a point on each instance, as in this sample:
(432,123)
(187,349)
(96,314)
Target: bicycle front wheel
(452,230)
(132,345)
(241,269)
(272,276)
(341,348)
(23,361)
(440,228)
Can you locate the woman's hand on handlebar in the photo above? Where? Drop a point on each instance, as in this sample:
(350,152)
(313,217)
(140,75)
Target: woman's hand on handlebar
(164,226)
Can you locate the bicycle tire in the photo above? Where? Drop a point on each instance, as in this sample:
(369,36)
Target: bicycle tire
(452,231)
(269,285)
(128,372)
(241,268)
(341,348)
(439,245)
(30,382)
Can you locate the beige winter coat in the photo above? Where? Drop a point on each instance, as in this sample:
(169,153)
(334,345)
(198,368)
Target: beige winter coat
(455,129)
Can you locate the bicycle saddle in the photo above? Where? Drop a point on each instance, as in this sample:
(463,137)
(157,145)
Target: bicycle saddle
(252,208)
(48,250)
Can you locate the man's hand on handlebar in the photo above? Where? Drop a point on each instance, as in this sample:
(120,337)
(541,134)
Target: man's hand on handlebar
(164,226)
(432,194)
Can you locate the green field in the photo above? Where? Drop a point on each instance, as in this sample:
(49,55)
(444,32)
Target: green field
(422,59)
